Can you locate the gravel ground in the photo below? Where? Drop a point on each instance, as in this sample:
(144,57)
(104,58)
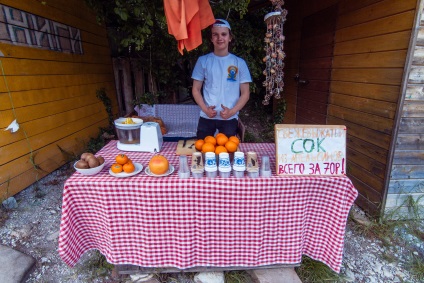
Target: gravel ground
(33,228)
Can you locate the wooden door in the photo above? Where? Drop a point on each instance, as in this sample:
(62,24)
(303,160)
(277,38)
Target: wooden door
(316,56)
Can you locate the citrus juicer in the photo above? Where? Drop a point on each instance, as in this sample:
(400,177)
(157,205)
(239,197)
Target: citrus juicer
(134,135)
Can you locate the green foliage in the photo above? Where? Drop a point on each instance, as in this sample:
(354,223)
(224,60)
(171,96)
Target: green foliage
(315,271)
(98,265)
(415,210)
(249,33)
(132,19)
(96,143)
(249,137)
(236,276)
(417,267)
(102,96)
(280,111)
(148,98)
(258,120)
(139,29)
(222,8)
(391,229)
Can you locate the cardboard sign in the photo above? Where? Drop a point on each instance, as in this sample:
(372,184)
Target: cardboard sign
(310,149)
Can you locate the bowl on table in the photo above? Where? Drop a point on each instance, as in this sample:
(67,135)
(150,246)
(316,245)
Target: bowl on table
(90,171)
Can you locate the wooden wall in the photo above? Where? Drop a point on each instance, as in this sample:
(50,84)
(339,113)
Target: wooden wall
(50,89)
(370,49)
(407,170)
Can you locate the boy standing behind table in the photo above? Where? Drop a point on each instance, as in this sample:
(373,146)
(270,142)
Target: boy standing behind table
(225,80)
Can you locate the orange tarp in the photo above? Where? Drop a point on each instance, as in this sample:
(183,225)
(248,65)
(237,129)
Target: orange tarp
(186,19)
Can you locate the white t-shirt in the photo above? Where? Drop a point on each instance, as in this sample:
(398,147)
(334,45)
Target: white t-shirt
(221,77)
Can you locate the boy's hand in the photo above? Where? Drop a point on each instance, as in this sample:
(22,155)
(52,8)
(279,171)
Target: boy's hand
(226,112)
(211,112)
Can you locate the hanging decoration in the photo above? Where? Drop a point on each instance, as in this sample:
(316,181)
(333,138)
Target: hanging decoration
(274,48)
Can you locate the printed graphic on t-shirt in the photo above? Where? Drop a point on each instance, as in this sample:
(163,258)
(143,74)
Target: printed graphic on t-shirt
(232,73)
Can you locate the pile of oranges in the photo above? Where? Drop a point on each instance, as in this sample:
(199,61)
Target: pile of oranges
(219,143)
(123,164)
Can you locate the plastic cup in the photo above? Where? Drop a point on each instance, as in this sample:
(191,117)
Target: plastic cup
(239,163)
(183,171)
(211,174)
(197,166)
(224,162)
(210,165)
(238,174)
(265,166)
(224,167)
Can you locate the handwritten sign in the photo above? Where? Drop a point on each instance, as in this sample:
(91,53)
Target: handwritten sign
(310,149)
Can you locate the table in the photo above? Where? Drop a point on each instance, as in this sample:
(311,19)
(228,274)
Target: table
(220,222)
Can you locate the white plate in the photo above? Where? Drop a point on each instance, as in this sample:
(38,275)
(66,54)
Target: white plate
(170,171)
(138,169)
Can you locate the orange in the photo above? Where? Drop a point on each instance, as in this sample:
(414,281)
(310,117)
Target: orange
(220,148)
(219,134)
(231,146)
(158,164)
(221,140)
(208,147)
(121,159)
(234,139)
(128,167)
(198,144)
(210,139)
(116,168)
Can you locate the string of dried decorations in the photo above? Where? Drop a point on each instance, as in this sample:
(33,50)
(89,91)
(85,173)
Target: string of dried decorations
(274,46)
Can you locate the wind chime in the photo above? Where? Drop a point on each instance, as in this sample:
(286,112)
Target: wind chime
(274,48)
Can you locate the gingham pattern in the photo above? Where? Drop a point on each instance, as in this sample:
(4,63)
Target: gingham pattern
(183,223)
(180,119)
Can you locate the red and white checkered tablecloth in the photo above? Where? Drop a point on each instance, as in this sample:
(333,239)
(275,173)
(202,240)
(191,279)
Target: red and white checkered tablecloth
(221,222)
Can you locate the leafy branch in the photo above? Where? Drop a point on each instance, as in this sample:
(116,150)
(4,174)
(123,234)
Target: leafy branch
(138,26)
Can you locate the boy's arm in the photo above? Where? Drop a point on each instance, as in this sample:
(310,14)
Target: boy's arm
(197,95)
(244,98)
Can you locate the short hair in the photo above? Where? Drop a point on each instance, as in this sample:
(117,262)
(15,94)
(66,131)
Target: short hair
(230,44)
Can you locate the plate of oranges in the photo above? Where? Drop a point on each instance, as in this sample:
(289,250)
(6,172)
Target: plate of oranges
(124,167)
(219,143)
